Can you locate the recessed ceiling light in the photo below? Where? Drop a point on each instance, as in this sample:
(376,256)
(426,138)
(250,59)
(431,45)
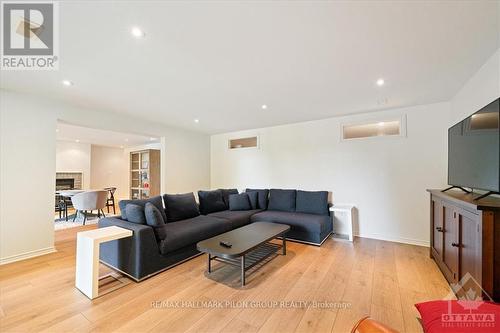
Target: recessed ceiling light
(381,123)
(197,121)
(57,130)
(126,140)
(67,83)
(137,32)
(380,82)
(264,106)
(121,147)
(77,140)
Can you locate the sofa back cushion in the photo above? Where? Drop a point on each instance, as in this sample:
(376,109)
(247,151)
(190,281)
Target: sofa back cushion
(180,206)
(135,213)
(282,200)
(253,197)
(154,200)
(239,202)
(211,201)
(312,202)
(153,215)
(226,192)
(261,197)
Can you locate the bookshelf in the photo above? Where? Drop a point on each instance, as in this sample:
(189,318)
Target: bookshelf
(144,174)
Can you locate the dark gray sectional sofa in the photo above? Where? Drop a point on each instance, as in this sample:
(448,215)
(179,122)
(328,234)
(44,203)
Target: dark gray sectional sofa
(156,247)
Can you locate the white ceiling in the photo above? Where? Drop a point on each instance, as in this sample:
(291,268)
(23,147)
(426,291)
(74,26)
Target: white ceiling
(72,133)
(220,61)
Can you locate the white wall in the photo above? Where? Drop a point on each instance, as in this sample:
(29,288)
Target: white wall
(481,89)
(109,168)
(385,178)
(74,157)
(28,171)
(28,168)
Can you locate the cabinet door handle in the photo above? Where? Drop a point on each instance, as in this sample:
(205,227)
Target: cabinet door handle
(455,244)
(439,229)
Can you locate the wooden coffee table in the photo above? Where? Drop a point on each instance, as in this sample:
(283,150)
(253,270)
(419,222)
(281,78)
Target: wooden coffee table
(250,245)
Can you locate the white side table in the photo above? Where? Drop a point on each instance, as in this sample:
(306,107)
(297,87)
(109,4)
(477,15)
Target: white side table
(343,225)
(87,259)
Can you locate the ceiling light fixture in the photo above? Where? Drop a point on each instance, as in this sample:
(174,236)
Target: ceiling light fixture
(381,124)
(380,82)
(197,121)
(57,130)
(77,140)
(264,107)
(126,140)
(121,147)
(137,32)
(67,83)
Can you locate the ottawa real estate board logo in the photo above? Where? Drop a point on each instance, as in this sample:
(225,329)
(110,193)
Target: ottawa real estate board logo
(30,35)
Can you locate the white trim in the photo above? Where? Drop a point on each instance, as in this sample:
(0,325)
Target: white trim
(403,240)
(27,255)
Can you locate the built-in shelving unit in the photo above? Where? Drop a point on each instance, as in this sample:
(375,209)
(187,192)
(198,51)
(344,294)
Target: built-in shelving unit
(144,174)
(250,142)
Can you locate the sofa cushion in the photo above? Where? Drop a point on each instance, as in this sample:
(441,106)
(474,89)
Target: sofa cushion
(253,197)
(301,222)
(239,202)
(211,201)
(282,200)
(183,233)
(153,215)
(261,197)
(237,218)
(180,207)
(226,193)
(154,200)
(312,202)
(135,213)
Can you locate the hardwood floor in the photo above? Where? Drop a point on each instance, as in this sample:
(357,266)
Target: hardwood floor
(376,278)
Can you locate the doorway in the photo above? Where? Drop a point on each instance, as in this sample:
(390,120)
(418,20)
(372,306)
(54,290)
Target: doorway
(90,160)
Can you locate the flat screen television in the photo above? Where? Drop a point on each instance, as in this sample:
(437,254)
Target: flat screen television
(474,150)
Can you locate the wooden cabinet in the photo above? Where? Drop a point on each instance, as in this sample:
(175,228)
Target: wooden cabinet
(144,174)
(437,228)
(450,236)
(465,237)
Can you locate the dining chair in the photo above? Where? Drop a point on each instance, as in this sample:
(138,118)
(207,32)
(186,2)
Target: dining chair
(89,200)
(59,205)
(110,202)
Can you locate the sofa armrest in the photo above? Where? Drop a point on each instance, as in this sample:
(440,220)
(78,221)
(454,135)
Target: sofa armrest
(131,255)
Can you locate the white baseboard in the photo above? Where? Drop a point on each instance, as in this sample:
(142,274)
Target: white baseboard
(404,240)
(27,255)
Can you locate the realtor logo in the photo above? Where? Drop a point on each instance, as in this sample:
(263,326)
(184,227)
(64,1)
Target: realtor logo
(470,314)
(30,36)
